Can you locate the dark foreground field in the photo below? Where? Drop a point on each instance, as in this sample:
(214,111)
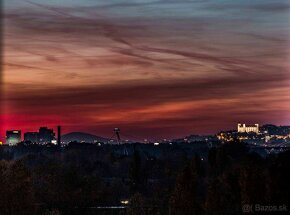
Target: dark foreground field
(140,179)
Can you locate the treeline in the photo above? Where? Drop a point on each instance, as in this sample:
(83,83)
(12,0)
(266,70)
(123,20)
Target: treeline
(231,179)
(155,180)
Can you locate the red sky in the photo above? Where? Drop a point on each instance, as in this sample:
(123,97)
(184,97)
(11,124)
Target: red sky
(154,69)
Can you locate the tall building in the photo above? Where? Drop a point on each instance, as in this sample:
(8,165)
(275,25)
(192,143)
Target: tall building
(243,128)
(59,135)
(46,135)
(31,136)
(13,137)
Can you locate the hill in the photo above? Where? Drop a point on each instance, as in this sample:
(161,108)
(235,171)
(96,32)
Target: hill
(82,137)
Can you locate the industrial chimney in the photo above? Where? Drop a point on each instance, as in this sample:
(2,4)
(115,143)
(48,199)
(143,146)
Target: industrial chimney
(59,135)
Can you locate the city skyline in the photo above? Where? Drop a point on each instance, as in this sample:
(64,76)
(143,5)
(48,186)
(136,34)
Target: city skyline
(45,135)
(92,66)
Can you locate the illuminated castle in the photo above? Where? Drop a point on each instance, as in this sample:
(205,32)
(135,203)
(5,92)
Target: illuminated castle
(243,128)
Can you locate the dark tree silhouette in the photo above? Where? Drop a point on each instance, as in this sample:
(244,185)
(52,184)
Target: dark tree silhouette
(253,180)
(185,198)
(136,172)
(137,205)
(15,189)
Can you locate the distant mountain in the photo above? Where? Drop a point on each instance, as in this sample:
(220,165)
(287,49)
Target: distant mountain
(82,137)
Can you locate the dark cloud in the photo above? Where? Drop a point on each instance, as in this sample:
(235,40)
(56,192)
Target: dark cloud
(283,6)
(124,96)
(262,6)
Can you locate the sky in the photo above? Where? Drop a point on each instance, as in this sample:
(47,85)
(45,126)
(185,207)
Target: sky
(154,68)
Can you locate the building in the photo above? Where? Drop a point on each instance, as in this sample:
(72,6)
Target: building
(46,135)
(243,128)
(31,137)
(59,135)
(13,137)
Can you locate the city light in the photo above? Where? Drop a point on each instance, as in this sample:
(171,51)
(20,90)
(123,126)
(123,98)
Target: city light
(125,202)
